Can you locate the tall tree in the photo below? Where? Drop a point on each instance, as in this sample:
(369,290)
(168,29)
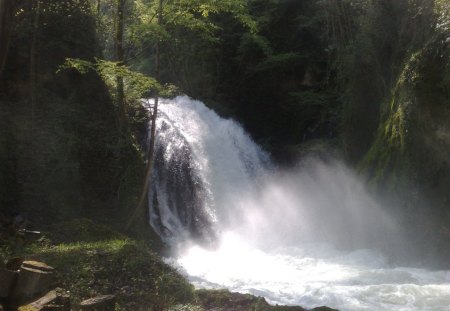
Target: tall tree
(33,58)
(120,59)
(6,15)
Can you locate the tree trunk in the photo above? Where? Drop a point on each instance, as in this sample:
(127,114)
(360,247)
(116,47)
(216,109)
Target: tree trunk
(6,9)
(34,278)
(141,208)
(33,56)
(120,59)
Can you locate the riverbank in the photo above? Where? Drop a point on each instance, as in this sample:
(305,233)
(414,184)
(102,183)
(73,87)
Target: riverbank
(92,259)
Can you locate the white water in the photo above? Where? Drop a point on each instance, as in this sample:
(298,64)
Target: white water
(280,235)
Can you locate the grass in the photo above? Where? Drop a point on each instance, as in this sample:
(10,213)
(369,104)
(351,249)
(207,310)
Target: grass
(108,263)
(92,259)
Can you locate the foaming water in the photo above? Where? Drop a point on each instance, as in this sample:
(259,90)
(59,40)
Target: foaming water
(316,275)
(310,236)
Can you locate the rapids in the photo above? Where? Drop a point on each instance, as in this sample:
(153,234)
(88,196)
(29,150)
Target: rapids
(310,236)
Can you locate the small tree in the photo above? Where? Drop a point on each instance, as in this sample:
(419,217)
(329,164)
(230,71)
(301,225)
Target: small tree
(144,195)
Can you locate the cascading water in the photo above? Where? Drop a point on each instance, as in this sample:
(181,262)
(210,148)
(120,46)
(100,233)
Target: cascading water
(298,237)
(204,165)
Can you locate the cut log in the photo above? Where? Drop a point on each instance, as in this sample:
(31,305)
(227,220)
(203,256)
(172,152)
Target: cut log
(35,278)
(56,299)
(14,263)
(31,264)
(100,303)
(8,278)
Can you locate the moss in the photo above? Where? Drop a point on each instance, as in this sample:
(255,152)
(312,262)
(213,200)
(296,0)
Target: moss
(409,158)
(222,300)
(385,159)
(82,230)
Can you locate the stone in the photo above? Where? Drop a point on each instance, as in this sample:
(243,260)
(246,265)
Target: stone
(35,278)
(99,303)
(56,299)
(8,278)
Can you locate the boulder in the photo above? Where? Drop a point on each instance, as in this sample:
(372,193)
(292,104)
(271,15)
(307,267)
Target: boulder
(35,278)
(56,299)
(99,303)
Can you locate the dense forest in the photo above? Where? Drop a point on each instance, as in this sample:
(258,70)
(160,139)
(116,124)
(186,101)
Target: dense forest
(365,81)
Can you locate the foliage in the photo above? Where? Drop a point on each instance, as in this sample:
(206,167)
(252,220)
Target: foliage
(370,41)
(137,85)
(65,154)
(190,38)
(442,10)
(186,308)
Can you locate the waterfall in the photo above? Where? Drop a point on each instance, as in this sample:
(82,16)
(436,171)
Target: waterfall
(307,236)
(203,164)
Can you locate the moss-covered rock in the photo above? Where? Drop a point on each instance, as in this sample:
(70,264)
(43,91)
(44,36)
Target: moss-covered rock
(410,157)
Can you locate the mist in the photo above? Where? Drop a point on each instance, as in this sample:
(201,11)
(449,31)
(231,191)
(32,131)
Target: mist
(311,235)
(316,202)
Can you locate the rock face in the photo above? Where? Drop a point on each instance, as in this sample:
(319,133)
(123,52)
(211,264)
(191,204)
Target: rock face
(35,278)
(410,156)
(56,299)
(99,303)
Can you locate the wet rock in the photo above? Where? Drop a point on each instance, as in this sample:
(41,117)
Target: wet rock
(99,303)
(35,278)
(323,308)
(56,299)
